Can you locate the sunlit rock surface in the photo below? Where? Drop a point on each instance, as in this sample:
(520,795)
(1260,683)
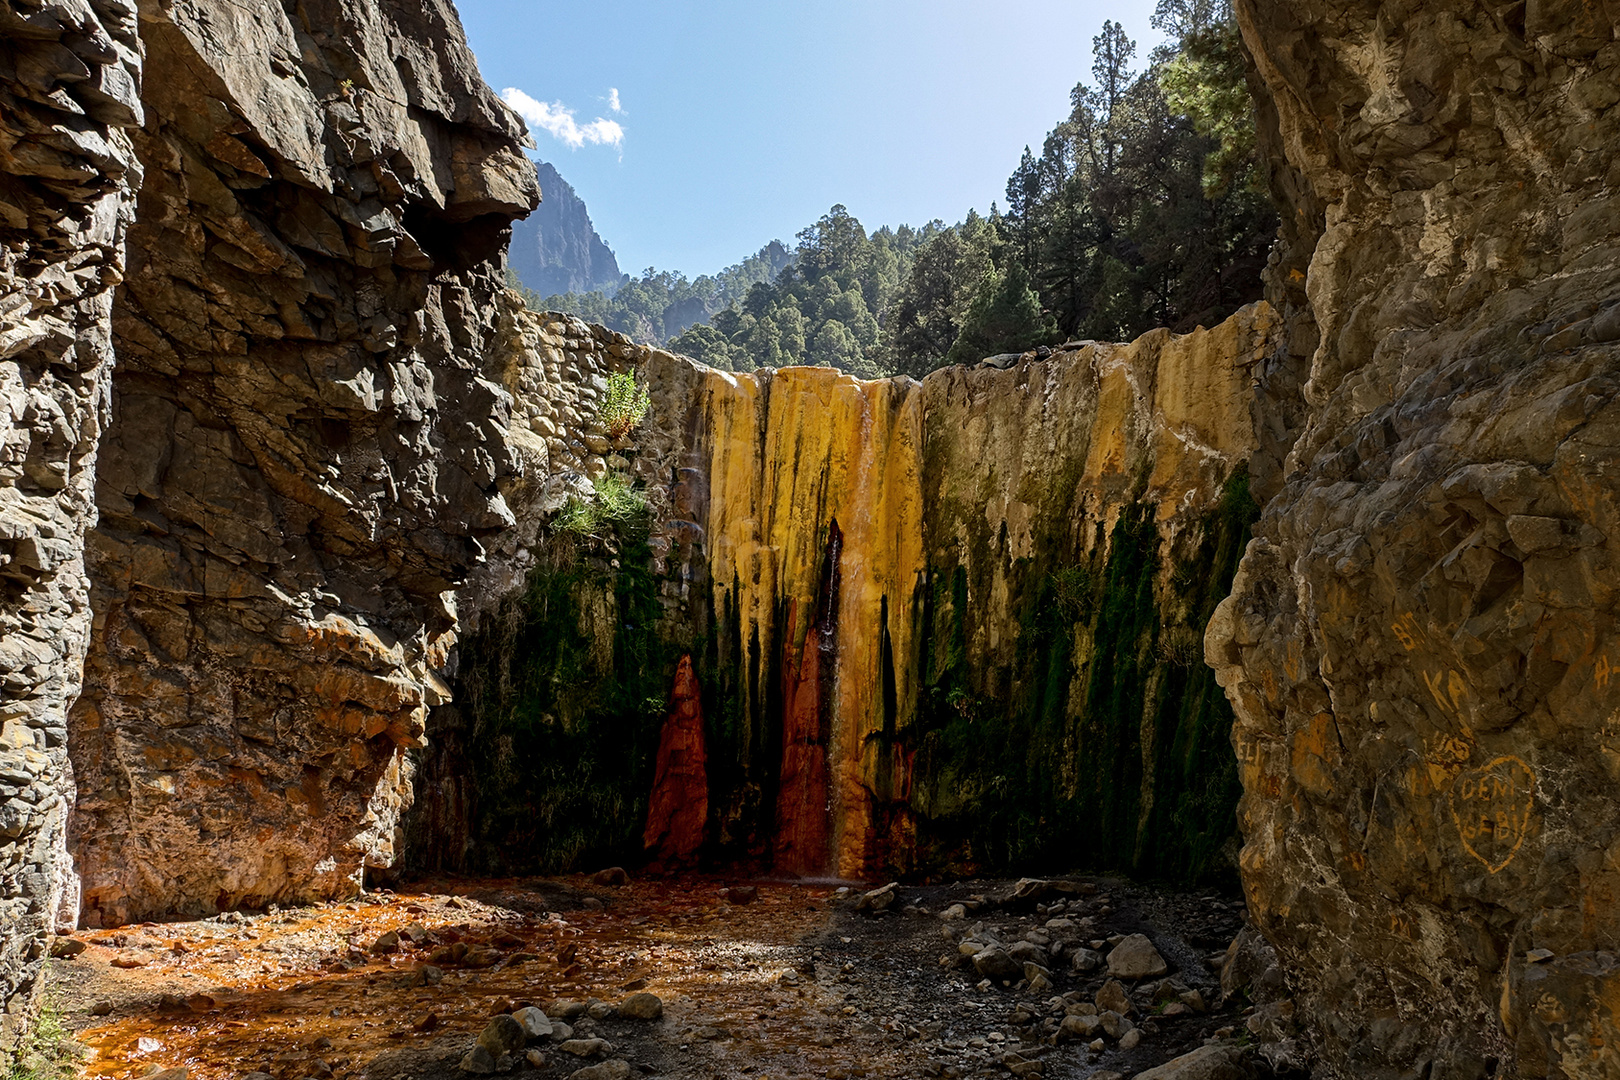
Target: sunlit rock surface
(303,451)
(1421,644)
(935,625)
(69,78)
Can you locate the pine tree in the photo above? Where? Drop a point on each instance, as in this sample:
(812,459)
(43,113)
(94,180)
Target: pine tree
(1005,317)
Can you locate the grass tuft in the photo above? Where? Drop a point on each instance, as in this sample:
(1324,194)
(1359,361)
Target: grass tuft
(47,1052)
(615,502)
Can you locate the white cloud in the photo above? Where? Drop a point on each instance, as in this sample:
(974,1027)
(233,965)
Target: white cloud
(558,119)
(613,100)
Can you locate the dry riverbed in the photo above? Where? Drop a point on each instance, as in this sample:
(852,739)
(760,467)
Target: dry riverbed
(796,980)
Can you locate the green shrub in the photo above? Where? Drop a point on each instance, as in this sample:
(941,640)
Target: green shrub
(625,406)
(618,499)
(581,516)
(615,502)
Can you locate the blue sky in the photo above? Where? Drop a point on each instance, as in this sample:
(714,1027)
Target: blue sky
(742,121)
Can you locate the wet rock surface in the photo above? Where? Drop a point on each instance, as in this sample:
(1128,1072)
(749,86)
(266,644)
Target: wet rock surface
(1040,545)
(1421,644)
(799,984)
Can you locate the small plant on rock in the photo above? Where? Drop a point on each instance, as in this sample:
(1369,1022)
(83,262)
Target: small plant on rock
(578,516)
(619,500)
(1182,646)
(625,406)
(615,501)
(1073,588)
(46,1052)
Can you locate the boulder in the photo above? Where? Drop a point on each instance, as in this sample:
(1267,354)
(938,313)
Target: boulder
(1215,1062)
(1115,1025)
(66,948)
(586,1047)
(878,900)
(1136,958)
(1085,960)
(503,1035)
(1084,1028)
(535,1024)
(1026,952)
(478,1061)
(642,1006)
(1113,996)
(994,963)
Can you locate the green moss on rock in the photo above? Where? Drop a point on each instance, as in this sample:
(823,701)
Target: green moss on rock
(1035,760)
(566,688)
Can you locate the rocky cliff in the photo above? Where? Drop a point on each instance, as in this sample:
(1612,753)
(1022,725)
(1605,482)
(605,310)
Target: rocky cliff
(1421,646)
(69,74)
(303,449)
(819,624)
(556,249)
(926,626)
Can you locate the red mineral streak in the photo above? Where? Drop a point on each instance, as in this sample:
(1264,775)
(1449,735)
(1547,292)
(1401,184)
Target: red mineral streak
(803,813)
(680,796)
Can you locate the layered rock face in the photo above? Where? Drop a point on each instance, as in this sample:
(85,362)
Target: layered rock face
(69,77)
(938,625)
(303,452)
(1422,645)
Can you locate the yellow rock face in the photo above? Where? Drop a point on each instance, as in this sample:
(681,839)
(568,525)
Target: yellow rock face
(982,469)
(791,453)
(879,585)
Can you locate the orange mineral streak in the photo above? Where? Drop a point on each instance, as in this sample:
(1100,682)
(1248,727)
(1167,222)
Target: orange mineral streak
(790,452)
(803,824)
(680,796)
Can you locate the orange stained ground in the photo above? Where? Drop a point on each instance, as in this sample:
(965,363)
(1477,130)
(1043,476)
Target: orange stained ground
(273,989)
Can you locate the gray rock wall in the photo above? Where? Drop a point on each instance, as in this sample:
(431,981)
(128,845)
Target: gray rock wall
(304,450)
(69,76)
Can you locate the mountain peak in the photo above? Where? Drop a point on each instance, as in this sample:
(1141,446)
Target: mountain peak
(556,249)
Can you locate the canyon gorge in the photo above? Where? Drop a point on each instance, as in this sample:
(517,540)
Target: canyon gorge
(1319,600)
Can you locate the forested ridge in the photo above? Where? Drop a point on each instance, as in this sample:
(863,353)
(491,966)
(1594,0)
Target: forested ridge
(1145,206)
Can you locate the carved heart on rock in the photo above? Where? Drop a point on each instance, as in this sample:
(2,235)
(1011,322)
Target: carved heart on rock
(1491,806)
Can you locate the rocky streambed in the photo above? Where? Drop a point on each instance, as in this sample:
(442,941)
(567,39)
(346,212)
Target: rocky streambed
(602,977)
